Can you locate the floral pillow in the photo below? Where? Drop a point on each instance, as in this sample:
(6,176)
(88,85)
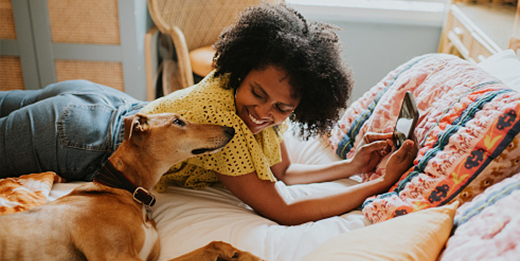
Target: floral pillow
(467,133)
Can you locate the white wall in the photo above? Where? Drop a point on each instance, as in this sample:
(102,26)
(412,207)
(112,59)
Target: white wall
(378,35)
(373,50)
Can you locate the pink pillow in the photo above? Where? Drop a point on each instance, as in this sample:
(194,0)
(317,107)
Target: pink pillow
(488,227)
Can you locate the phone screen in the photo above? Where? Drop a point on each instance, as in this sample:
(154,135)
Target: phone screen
(406,121)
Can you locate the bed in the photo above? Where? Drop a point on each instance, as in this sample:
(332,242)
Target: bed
(468,158)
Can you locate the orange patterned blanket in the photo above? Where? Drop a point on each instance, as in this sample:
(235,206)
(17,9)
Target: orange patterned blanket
(25,192)
(468,133)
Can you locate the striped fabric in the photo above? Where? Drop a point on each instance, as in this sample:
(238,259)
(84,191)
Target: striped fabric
(485,200)
(488,227)
(347,141)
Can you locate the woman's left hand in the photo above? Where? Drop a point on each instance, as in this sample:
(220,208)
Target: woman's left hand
(370,150)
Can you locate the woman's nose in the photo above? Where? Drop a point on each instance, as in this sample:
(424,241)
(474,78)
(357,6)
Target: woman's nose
(264,111)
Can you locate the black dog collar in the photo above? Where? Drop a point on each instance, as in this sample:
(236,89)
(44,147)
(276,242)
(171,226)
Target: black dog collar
(108,175)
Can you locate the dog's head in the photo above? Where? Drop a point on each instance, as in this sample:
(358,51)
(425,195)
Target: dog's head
(170,138)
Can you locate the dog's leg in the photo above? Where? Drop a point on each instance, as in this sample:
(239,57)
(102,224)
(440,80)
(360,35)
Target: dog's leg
(218,251)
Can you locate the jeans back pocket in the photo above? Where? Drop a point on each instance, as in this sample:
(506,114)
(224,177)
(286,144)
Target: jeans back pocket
(86,127)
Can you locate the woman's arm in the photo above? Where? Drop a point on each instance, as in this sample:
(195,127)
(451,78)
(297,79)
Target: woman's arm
(264,198)
(369,153)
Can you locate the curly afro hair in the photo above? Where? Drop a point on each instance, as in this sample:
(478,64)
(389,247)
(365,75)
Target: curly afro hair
(310,53)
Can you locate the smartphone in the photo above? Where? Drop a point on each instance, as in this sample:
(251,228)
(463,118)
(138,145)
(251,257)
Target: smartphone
(407,120)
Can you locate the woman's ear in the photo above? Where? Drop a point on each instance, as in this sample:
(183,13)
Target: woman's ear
(135,125)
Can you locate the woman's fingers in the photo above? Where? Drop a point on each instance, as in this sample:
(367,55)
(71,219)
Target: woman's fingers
(379,136)
(379,146)
(373,136)
(407,152)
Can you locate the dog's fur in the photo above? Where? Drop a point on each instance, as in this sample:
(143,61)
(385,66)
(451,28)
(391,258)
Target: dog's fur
(99,222)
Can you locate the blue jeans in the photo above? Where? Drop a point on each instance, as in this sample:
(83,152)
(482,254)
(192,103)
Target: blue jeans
(69,127)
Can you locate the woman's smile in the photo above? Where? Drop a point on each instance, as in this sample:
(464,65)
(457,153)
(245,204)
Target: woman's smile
(265,98)
(255,121)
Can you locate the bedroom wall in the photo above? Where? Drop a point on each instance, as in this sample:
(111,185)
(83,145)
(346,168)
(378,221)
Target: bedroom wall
(377,36)
(374,49)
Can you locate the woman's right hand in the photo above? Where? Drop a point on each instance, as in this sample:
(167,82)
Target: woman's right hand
(399,162)
(370,150)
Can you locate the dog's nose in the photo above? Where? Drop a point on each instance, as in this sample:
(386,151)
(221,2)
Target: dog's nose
(230,132)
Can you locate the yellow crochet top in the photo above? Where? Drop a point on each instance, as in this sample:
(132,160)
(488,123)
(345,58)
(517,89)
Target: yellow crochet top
(208,102)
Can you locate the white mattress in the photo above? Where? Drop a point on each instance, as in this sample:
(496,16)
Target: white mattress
(188,219)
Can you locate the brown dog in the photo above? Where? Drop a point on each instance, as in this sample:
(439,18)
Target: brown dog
(109,218)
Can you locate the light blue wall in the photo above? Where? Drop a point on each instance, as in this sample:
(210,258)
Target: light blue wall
(374,49)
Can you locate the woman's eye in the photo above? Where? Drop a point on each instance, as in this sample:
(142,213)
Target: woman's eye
(256,94)
(178,122)
(282,110)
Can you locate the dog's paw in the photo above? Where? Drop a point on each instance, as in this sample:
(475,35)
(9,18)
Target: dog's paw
(226,252)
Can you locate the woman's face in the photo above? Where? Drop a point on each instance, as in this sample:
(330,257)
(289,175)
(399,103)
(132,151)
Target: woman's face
(265,98)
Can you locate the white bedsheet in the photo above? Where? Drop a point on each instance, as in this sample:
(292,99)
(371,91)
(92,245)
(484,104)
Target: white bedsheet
(188,219)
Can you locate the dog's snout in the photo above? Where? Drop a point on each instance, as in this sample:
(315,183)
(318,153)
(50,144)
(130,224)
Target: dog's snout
(230,132)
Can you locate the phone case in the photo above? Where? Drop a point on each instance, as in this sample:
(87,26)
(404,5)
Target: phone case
(409,114)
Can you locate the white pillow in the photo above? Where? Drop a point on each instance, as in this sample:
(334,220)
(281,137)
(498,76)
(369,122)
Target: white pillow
(504,65)
(316,150)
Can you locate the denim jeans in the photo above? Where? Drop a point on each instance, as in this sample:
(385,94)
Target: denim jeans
(70,127)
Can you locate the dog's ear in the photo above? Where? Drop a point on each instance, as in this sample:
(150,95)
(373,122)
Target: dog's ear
(136,124)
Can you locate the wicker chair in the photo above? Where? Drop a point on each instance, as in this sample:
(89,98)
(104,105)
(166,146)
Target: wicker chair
(194,25)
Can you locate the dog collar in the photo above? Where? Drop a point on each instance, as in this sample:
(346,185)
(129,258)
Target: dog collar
(108,175)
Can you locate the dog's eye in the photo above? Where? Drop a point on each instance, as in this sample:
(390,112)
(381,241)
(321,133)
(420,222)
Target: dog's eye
(178,122)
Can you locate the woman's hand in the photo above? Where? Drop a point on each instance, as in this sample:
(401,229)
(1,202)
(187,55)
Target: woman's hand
(370,150)
(399,162)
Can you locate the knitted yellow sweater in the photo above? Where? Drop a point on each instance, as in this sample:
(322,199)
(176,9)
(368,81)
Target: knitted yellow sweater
(208,102)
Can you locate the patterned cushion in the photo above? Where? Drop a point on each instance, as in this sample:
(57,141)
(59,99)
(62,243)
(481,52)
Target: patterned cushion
(488,227)
(467,133)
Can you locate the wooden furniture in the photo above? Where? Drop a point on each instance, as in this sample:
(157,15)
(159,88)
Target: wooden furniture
(514,42)
(194,24)
(46,41)
(476,31)
(151,60)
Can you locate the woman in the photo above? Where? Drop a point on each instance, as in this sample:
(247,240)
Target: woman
(272,65)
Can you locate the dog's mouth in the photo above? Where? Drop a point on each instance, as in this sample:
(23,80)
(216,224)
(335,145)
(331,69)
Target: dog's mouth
(205,150)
